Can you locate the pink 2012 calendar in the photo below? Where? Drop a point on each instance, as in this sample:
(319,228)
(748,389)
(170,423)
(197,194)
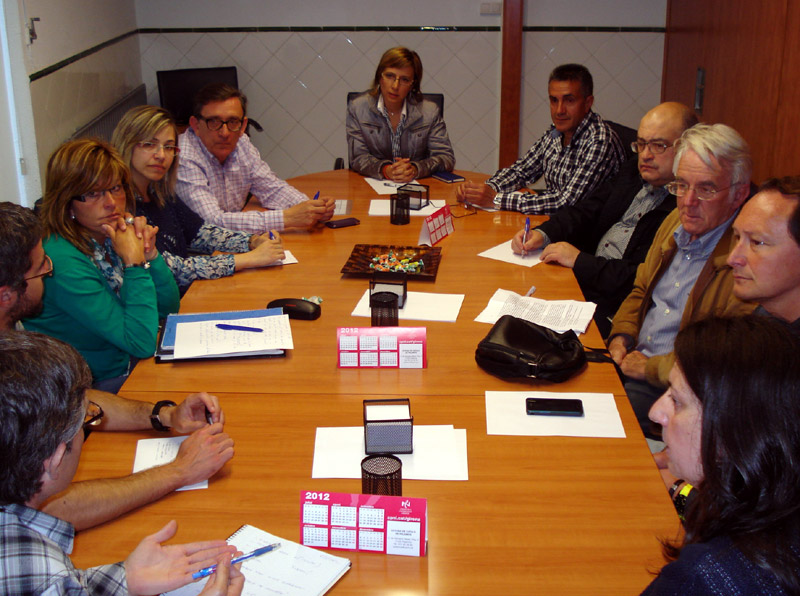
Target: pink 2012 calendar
(372,523)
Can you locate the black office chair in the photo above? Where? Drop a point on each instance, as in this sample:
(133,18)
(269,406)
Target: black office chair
(626,135)
(437,98)
(177,88)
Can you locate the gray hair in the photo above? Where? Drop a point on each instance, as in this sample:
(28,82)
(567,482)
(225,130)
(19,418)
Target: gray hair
(720,142)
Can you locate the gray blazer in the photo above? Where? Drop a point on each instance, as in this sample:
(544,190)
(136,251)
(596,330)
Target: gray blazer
(424,139)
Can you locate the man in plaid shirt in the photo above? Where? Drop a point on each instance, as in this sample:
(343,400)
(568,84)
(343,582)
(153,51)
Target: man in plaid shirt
(575,155)
(43,384)
(219,166)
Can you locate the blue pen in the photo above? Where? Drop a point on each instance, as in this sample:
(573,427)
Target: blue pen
(271,235)
(256,553)
(226,327)
(316,196)
(527,231)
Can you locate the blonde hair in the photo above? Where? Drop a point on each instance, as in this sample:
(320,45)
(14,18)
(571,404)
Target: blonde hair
(139,124)
(75,168)
(399,57)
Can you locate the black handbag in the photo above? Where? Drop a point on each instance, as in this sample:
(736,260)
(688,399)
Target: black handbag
(518,349)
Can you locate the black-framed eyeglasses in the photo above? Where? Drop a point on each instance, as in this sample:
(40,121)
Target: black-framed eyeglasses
(233,124)
(48,272)
(93,196)
(704,192)
(93,416)
(151,147)
(390,78)
(656,147)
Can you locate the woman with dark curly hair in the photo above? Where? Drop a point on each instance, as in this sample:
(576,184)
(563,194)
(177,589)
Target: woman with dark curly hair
(731,423)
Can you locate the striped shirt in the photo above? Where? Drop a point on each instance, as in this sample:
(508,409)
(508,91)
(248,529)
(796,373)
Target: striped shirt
(395,134)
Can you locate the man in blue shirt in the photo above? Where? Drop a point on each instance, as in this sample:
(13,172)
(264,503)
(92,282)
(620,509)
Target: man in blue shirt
(684,277)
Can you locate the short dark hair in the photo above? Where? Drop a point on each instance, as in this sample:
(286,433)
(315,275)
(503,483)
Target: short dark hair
(20,232)
(789,186)
(43,382)
(217,92)
(745,371)
(574,72)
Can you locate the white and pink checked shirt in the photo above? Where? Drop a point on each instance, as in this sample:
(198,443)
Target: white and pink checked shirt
(217,192)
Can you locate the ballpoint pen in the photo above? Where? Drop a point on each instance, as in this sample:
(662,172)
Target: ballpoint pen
(316,196)
(226,327)
(271,235)
(256,553)
(525,235)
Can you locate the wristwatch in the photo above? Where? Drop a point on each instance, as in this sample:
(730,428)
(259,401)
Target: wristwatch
(498,201)
(143,265)
(154,420)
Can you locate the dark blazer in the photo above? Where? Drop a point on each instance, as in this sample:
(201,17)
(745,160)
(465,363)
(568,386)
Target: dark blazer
(607,282)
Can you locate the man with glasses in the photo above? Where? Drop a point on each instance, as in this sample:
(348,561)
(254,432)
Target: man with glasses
(604,237)
(23,264)
(45,417)
(577,154)
(219,167)
(684,277)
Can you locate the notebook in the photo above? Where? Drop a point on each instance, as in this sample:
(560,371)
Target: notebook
(292,569)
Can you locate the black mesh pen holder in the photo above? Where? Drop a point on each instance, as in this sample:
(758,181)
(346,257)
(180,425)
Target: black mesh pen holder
(382,474)
(390,434)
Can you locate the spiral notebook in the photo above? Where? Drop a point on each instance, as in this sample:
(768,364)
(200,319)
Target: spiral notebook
(292,569)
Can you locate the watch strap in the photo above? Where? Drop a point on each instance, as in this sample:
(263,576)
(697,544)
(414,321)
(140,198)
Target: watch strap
(154,419)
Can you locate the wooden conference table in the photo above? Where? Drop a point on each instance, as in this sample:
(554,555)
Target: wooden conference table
(538,515)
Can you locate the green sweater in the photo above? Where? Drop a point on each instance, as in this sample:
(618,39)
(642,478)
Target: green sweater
(81,309)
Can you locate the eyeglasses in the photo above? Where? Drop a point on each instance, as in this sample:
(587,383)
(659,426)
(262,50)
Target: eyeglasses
(92,418)
(150,147)
(95,195)
(48,272)
(462,210)
(233,124)
(656,147)
(704,192)
(391,78)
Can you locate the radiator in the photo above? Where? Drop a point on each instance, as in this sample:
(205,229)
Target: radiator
(103,126)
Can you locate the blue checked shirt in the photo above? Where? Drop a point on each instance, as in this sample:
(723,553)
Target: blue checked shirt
(34,559)
(570,173)
(218,192)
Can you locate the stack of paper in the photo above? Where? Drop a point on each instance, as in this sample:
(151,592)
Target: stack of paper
(440,453)
(558,315)
(420,306)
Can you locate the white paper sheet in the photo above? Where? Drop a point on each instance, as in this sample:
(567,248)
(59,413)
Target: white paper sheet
(559,315)
(157,452)
(382,207)
(505,415)
(202,338)
(341,207)
(503,252)
(289,259)
(440,453)
(385,187)
(420,306)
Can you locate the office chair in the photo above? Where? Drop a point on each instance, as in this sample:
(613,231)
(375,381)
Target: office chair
(437,98)
(177,88)
(626,134)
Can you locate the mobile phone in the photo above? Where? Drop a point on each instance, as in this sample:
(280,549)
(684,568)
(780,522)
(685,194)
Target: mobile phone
(342,223)
(542,406)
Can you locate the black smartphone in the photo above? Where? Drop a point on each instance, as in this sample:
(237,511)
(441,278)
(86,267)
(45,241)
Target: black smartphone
(342,223)
(541,406)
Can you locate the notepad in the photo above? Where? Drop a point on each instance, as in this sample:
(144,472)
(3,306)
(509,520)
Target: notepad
(291,570)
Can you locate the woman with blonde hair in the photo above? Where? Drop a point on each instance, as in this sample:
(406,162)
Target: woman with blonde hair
(146,138)
(392,132)
(109,286)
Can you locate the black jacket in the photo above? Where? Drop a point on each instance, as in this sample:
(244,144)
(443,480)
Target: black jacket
(607,282)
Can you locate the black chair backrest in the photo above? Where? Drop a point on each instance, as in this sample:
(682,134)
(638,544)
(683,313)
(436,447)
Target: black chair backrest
(626,135)
(177,88)
(437,98)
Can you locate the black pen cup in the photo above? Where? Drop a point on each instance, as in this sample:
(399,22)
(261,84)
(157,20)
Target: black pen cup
(382,474)
(383,307)
(399,213)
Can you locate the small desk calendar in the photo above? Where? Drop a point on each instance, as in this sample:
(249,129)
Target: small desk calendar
(437,226)
(382,347)
(371,523)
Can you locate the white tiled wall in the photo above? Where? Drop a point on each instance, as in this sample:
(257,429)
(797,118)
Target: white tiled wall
(297,82)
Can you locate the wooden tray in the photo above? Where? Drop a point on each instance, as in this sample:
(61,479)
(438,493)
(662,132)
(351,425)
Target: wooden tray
(360,259)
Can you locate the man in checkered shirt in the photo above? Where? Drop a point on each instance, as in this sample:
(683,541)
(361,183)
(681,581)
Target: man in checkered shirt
(219,166)
(43,384)
(575,155)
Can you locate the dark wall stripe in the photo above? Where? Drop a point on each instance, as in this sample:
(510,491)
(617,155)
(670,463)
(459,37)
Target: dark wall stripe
(66,62)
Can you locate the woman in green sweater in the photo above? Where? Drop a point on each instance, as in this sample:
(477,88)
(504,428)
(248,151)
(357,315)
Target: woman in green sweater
(109,286)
